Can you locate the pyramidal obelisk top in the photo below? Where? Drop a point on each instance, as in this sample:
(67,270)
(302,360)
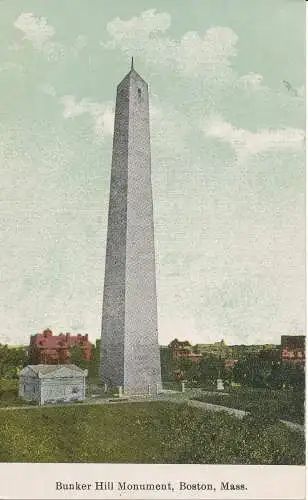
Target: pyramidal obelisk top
(132,74)
(130,356)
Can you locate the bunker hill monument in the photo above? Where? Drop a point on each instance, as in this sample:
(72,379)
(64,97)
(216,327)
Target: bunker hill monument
(130,355)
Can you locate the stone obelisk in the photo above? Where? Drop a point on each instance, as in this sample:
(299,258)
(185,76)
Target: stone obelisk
(130,356)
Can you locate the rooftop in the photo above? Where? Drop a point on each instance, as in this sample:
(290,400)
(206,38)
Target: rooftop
(48,340)
(132,73)
(45,369)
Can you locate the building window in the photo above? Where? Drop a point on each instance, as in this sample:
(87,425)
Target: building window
(139,95)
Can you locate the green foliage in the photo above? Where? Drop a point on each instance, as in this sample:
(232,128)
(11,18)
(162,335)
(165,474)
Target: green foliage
(260,418)
(92,365)
(269,403)
(145,432)
(173,385)
(264,373)
(258,367)
(12,360)
(9,393)
(226,440)
(189,369)
(253,371)
(211,368)
(167,364)
(77,357)
(205,372)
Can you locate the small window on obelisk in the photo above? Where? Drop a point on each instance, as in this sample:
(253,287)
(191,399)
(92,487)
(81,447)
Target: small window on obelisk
(139,95)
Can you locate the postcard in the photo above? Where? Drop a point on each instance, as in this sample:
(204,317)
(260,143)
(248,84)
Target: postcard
(152,207)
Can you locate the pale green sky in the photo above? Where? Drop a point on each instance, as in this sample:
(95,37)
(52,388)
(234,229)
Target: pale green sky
(227,162)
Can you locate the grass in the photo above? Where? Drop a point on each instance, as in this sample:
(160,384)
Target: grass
(286,405)
(143,432)
(172,386)
(9,393)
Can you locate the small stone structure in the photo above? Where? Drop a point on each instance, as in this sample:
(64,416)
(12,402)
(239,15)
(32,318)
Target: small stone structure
(52,383)
(220,385)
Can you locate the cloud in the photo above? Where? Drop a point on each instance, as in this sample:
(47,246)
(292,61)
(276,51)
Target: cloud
(193,55)
(79,45)
(35,29)
(246,143)
(251,81)
(41,34)
(137,30)
(102,114)
(48,89)
(10,66)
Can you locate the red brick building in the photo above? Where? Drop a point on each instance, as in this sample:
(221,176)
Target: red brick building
(46,348)
(184,350)
(230,363)
(293,348)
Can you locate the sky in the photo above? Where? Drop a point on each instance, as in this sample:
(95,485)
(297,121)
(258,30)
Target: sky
(227,113)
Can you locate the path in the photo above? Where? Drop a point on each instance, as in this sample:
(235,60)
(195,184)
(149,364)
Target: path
(240,413)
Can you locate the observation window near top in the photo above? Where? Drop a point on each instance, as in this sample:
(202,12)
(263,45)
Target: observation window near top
(139,95)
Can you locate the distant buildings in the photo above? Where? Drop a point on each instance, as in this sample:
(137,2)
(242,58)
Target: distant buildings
(184,350)
(46,348)
(293,348)
(52,383)
(218,348)
(230,363)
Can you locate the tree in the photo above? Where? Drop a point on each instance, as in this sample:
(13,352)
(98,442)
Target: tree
(253,371)
(94,360)
(12,360)
(77,357)
(212,368)
(189,368)
(168,365)
(269,354)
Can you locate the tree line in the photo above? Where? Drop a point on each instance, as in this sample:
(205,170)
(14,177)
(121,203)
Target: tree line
(253,370)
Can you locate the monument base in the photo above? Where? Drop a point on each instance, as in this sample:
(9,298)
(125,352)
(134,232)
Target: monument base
(120,391)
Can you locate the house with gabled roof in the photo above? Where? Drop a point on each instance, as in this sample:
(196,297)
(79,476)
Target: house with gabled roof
(52,383)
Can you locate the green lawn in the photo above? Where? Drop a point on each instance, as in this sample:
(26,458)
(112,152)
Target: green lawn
(172,386)
(9,393)
(286,405)
(145,432)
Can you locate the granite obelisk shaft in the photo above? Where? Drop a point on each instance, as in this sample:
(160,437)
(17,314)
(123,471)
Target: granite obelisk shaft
(129,343)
